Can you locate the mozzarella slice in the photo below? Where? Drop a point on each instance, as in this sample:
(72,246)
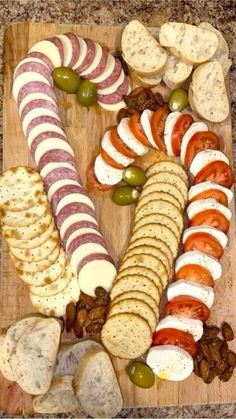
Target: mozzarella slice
(40,129)
(146,125)
(129,139)
(205,204)
(113,107)
(105,275)
(108,70)
(34,96)
(80,232)
(182,287)
(59,184)
(51,144)
(83,251)
(195,127)
(204,157)
(106,174)
(74,197)
(29,60)
(75,218)
(67,49)
(95,62)
(170,362)
(114,86)
(25,78)
(49,49)
(205,186)
(113,152)
(217,234)
(198,258)
(54,165)
(35,113)
(169,126)
(192,326)
(82,52)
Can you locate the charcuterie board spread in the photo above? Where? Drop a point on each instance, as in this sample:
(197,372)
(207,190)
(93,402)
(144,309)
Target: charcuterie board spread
(117,214)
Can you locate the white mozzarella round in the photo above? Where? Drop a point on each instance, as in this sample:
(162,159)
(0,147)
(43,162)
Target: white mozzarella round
(105,275)
(170,362)
(113,152)
(82,251)
(146,125)
(113,107)
(40,129)
(82,52)
(54,165)
(74,197)
(51,144)
(206,204)
(34,96)
(198,258)
(29,60)
(106,174)
(80,232)
(114,86)
(129,139)
(95,62)
(67,49)
(25,78)
(192,326)
(169,126)
(108,70)
(75,218)
(217,234)
(35,113)
(204,157)
(59,184)
(182,287)
(193,129)
(208,185)
(50,50)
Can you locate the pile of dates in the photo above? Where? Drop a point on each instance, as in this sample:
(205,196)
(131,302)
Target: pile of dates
(88,314)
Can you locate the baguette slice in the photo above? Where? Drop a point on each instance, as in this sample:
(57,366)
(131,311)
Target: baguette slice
(141,51)
(60,398)
(96,386)
(146,81)
(177,71)
(194,44)
(208,94)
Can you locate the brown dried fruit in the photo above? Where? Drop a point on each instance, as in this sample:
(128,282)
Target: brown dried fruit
(211,331)
(102,320)
(70,316)
(204,369)
(196,369)
(93,329)
(87,299)
(78,330)
(159,99)
(142,98)
(227,374)
(101,292)
(96,313)
(81,317)
(123,113)
(224,349)
(214,352)
(220,367)
(80,304)
(211,377)
(203,347)
(227,331)
(102,301)
(231,359)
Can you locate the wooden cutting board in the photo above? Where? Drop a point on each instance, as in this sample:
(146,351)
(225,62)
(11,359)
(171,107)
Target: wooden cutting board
(84,128)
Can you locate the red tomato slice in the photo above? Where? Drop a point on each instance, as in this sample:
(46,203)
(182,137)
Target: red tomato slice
(217,171)
(137,130)
(216,194)
(212,218)
(171,336)
(195,273)
(110,161)
(205,243)
(92,182)
(185,306)
(158,126)
(200,141)
(181,126)
(120,145)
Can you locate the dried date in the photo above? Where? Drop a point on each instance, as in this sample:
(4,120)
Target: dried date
(204,369)
(81,317)
(101,292)
(231,359)
(227,374)
(211,332)
(87,300)
(96,313)
(93,329)
(227,331)
(70,316)
(224,349)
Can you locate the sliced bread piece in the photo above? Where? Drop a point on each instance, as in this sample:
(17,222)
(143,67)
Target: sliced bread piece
(146,81)
(141,50)
(208,92)
(177,71)
(194,44)
(96,386)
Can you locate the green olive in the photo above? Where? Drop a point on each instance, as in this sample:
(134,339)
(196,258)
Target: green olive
(66,79)
(140,374)
(125,195)
(87,93)
(178,100)
(134,176)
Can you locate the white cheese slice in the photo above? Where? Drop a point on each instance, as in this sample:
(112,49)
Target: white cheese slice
(192,326)
(208,185)
(108,70)
(205,204)
(204,157)
(49,49)
(29,60)
(75,218)
(105,275)
(145,121)
(182,287)
(80,232)
(67,49)
(114,86)
(25,78)
(82,52)
(54,165)
(214,232)
(198,258)
(74,197)
(41,128)
(59,184)
(129,139)
(193,129)
(113,107)
(113,152)
(51,144)
(35,113)
(96,60)
(34,96)
(169,126)
(82,251)
(106,174)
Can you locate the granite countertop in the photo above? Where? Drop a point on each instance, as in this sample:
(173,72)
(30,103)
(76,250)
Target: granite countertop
(220,13)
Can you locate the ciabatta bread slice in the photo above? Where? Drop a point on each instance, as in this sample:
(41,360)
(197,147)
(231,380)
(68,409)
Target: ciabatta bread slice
(177,71)
(141,50)
(96,386)
(194,44)
(208,93)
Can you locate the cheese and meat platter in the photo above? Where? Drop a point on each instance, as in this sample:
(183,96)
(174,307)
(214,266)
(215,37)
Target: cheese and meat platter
(117,219)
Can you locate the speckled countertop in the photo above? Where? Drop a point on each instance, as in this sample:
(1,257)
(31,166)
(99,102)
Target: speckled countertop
(220,13)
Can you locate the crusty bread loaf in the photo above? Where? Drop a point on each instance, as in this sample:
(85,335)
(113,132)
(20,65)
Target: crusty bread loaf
(208,94)
(141,50)
(176,72)
(194,44)
(96,386)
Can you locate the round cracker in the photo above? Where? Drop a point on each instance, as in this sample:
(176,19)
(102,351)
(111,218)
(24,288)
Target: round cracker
(149,250)
(37,253)
(56,286)
(26,217)
(168,166)
(152,241)
(36,241)
(160,219)
(161,207)
(41,265)
(143,200)
(169,177)
(135,282)
(139,295)
(145,272)
(164,187)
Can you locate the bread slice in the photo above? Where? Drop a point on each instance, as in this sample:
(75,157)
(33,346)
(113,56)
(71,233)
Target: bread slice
(96,386)
(208,92)
(59,398)
(141,50)
(194,44)
(176,72)
(146,81)
(34,358)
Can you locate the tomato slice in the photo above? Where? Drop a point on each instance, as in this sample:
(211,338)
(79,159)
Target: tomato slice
(109,160)
(92,182)
(171,336)
(181,126)
(217,171)
(195,273)
(212,218)
(137,130)
(200,141)
(205,243)
(120,145)
(158,126)
(216,194)
(185,306)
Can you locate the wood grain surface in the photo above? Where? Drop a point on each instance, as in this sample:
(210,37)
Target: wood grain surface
(84,128)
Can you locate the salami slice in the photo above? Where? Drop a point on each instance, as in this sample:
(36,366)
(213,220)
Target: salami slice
(22,80)
(33,66)
(114,86)
(113,76)
(82,53)
(63,191)
(94,257)
(73,198)
(96,60)
(58,42)
(84,239)
(51,166)
(34,97)
(67,49)
(39,103)
(71,209)
(52,144)
(37,116)
(44,119)
(75,48)
(100,67)
(35,87)
(59,183)
(55,156)
(77,226)
(73,219)
(42,57)
(59,173)
(117,96)
(88,57)
(80,232)
(43,129)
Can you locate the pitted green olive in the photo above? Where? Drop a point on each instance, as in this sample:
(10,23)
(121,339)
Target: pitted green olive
(125,195)
(140,374)
(66,79)
(178,100)
(134,176)
(87,93)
